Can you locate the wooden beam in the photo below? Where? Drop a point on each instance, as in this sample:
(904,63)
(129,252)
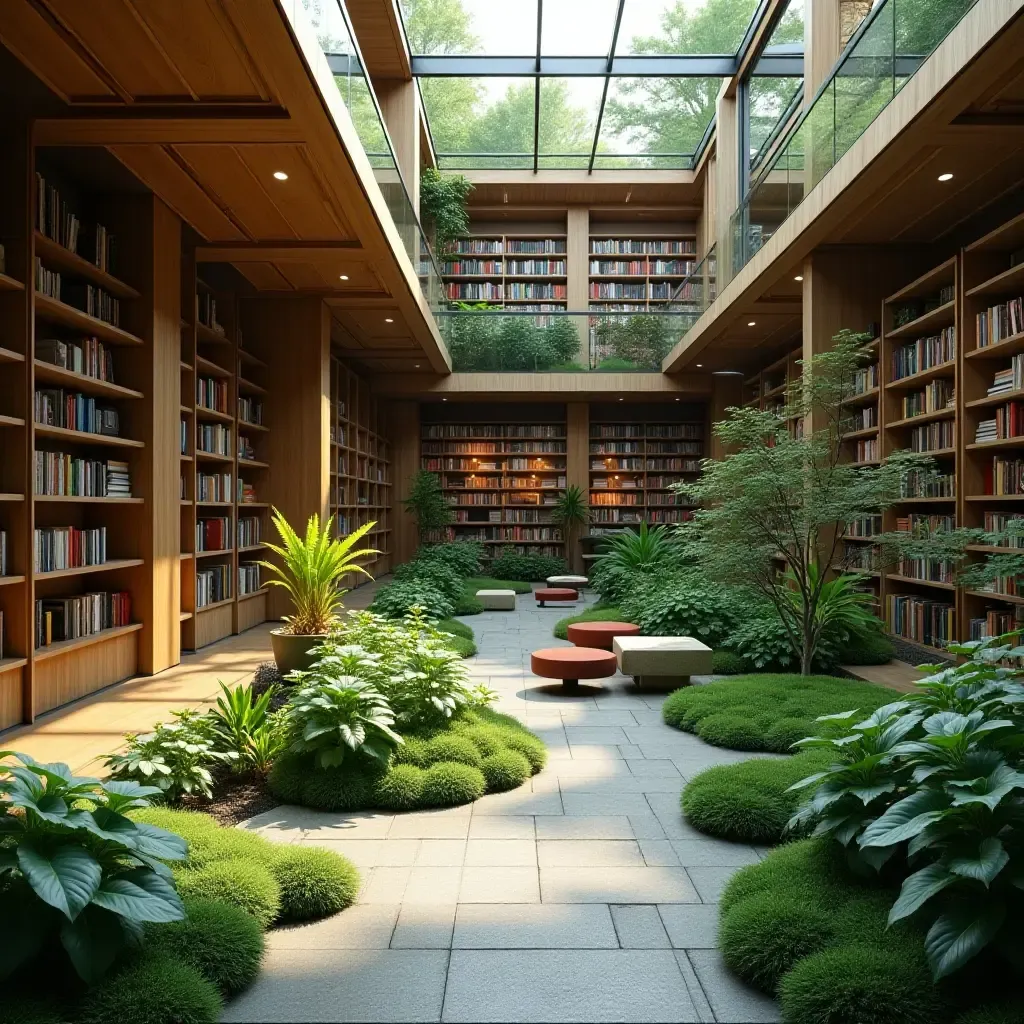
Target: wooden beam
(279,252)
(753,50)
(519,386)
(217,128)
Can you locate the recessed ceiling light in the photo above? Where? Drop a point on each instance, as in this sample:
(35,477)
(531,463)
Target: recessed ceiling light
(752,323)
(700,365)
(388,320)
(444,399)
(417,365)
(280,175)
(343,277)
(799,277)
(945,177)
(678,399)
(726,373)
(621,399)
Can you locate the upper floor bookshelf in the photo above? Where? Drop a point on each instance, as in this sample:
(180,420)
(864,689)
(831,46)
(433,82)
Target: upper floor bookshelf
(519,271)
(636,272)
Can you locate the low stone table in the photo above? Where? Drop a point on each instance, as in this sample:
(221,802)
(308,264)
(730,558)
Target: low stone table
(571,664)
(599,634)
(662,661)
(554,594)
(575,582)
(497,600)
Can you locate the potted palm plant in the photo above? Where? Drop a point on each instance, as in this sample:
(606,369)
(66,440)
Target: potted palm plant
(313,567)
(571,512)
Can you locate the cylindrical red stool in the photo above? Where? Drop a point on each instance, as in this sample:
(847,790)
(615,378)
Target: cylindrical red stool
(554,594)
(571,664)
(600,634)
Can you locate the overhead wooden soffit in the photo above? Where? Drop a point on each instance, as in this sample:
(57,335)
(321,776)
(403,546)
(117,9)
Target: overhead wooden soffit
(378,27)
(514,385)
(92,128)
(276,252)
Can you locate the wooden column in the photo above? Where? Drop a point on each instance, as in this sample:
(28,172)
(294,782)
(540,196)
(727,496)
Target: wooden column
(404,425)
(577,463)
(400,105)
(578,272)
(726,188)
(292,335)
(726,391)
(821,43)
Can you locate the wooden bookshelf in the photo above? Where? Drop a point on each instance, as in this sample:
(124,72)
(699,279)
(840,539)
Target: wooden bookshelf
(221,387)
(503,274)
(501,477)
(361,483)
(637,271)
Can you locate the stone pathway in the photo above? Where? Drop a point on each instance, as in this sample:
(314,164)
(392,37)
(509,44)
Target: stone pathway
(582,896)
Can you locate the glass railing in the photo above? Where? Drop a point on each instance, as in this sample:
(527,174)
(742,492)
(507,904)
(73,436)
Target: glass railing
(699,288)
(894,40)
(485,340)
(339,44)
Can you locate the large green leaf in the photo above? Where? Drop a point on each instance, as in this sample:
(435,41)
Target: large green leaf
(983,867)
(157,842)
(920,887)
(131,900)
(906,818)
(93,942)
(960,934)
(25,925)
(66,880)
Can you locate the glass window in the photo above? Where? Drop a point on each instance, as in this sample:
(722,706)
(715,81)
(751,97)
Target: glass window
(577,28)
(683,26)
(568,117)
(470,26)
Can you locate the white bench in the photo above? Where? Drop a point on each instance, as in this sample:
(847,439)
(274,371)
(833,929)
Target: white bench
(663,661)
(497,600)
(575,582)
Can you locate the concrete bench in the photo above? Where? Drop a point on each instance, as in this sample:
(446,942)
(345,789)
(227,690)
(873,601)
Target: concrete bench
(662,661)
(497,600)
(575,582)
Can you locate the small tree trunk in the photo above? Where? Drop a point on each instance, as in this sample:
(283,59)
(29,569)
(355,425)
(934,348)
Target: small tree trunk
(807,654)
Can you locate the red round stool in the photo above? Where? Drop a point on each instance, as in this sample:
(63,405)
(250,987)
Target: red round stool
(600,634)
(554,594)
(571,664)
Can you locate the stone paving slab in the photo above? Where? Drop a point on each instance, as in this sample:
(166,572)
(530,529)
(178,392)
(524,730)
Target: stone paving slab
(534,926)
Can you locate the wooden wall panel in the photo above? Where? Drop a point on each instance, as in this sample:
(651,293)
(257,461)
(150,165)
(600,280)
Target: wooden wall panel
(214,623)
(404,423)
(10,697)
(66,677)
(251,611)
(726,391)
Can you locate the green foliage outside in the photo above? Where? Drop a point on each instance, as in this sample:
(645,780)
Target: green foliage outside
(426,502)
(489,341)
(636,342)
(443,206)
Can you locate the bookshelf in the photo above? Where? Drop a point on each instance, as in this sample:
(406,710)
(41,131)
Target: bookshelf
(361,483)
(632,466)
(501,476)
(523,272)
(224,461)
(637,272)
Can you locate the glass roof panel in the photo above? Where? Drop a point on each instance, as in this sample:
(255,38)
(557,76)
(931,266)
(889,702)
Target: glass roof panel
(471,26)
(577,28)
(568,114)
(684,26)
(480,115)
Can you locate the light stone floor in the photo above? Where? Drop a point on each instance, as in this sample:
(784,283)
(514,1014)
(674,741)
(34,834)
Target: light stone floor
(583,896)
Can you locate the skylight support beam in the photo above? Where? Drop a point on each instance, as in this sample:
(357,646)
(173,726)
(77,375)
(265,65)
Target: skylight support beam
(604,90)
(536,90)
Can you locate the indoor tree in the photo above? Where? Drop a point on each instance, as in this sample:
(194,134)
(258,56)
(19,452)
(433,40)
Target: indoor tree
(572,513)
(443,205)
(427,503)
(785,499)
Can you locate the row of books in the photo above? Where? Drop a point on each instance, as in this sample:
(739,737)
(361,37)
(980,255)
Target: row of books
(534,290)
(921,619)
(56,220)
(474,499)
(531,482)
(478,267)
(923,525)
(865,526)
(245,448)
(669,516)
(87,356)
(1009,524)
(88,298)
(995,622)
(248,578)
(1006,585)
(477,483)
(1010,379)
(538,267)
(59,473)
(1000,322)
(615,515)
(519,246)
(933,570)
(615,499)
(617,483)
(3,555)
(213,534)
(495,430)
(678,465)
(1007,422)
(617,290)
(70,618)
(213,487)
(246,493)
(213,584)
(212,393)
(863,418)
(621,463)
(918,484)
(661,482)
(866,450)
(55,407)
(936,396)
(183,437)
(1004,476)
(249,531)
(615,448)
(667,498)
(213,438)
(67,547)
(924,353)
(933,437)
(631,246)
(860,556)
(651,430)
(485,291)
(865,379)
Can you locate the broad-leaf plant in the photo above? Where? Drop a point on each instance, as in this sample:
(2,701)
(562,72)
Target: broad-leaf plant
(930,789)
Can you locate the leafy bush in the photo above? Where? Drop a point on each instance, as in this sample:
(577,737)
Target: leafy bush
(930,786)
(746,802)
(461,555)
(871,647)
(220,941)
(506,769)
(401,789)
(434,573)
(155,990)
(631,558)
(427,503)
(73,867)
(460,637)
(242,883)
(18,1010)
(446,784)
(314,882)
(725,663)
(763,710)
(994,1013)
(432,687)
(394,600)
(528,745)
(286,778)
(640,342)
(532,568)
(490,341)
(243,724)
(176,757)
(468,603)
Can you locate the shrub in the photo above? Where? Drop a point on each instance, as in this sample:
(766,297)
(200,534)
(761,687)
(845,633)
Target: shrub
(475,583)
(749,801)
(729,729)
(241,883)
(767,934)
(265,676)
(29,1011)
(431,688)
(856,983)
(461,646)
(726,663)
(314,882)
(155,990)
(487,739)
(395,599)
(455,628)
(286,778)
(533,568)
(448,747)
(341,789)
(504,770)
(447,784)
(414,752)
(433,573)
(869,648)
(468,604)
(220,941)
(461,555)
(401,789)
(243,726)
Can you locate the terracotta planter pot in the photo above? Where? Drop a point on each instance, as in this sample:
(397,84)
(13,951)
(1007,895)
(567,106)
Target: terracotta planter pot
(291,650)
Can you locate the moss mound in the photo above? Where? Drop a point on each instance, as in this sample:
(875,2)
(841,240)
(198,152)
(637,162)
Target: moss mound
(732,730)
(242,883)
(314,882)
(220,941)
(401,789)
(286,778)
(528,745)
(412,751)
(507,769)
(994,1013)
(29,1011)
(486,739)
(340,789)
(451,747)
(748,802)
(449,783)
(726,663)
(156,990)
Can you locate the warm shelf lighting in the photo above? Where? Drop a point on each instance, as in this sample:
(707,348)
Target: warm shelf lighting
(946,176)
(752,323)
(280,175)
(388,320)
(700,366)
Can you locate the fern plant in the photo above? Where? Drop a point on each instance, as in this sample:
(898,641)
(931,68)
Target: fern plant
(571,512)
(313,567)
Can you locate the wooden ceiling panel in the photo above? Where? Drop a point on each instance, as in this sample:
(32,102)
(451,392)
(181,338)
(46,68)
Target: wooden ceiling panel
(265,277)
(303,276)
(222,172)
(32,39)
(304,198)
(159,171)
